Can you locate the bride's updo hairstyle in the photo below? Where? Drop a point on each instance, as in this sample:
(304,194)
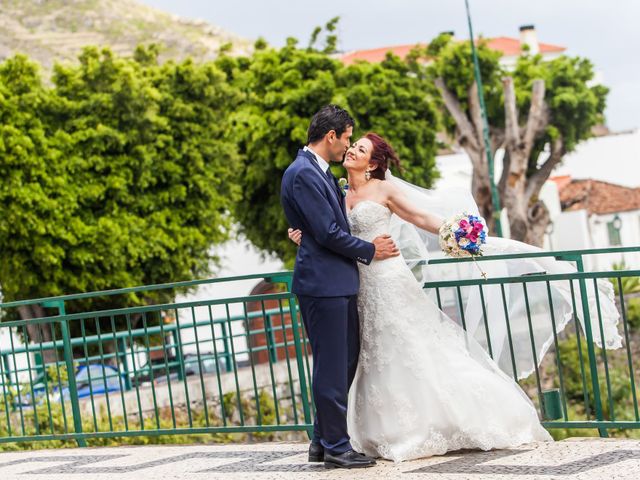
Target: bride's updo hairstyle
(381,156)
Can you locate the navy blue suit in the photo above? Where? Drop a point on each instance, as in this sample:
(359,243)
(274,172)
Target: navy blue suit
(326,281)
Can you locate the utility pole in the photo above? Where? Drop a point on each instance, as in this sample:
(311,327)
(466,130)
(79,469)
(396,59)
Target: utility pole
(495,199)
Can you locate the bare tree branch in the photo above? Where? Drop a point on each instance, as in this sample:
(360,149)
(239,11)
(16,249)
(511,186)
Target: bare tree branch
(467,134)
(476,113)
(518,154)
(542,174)
(512,129)
(506,166)
(537,114)
(496,136)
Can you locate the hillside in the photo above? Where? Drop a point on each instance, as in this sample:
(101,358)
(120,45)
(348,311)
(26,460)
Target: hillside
(49,30)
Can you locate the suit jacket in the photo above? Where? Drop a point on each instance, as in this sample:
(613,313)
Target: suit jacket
(326,260)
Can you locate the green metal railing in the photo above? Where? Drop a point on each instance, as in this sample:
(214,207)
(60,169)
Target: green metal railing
(225,365)
(249,368)
(121,341)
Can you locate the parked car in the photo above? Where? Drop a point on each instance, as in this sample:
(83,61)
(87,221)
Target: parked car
(104,378)
(192,366)
(100,374)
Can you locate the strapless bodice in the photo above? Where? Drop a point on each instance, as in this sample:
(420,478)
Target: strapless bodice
(368,219)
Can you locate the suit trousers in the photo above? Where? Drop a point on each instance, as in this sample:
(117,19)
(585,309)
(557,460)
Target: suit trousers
(333,330)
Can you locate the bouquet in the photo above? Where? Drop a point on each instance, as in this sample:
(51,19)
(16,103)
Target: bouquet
(462,236)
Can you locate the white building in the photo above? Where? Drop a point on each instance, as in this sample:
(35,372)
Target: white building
(598,214)
(611,158)
(605,209)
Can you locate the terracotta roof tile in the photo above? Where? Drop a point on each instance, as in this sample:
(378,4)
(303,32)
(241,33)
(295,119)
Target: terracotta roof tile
(375,55)
(598,197)
(561,181)
(507,45)
(511,46)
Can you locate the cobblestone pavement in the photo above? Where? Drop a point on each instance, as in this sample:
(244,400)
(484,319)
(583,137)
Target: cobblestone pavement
(573,459)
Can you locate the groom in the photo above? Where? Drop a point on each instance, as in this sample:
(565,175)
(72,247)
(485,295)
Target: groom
(325,280)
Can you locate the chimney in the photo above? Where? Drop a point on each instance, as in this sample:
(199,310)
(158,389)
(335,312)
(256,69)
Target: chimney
(529,37)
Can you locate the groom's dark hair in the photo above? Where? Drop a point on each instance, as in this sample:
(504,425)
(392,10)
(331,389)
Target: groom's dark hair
(329,117)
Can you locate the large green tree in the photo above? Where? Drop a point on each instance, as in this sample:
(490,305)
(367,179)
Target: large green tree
(122,173)
(538,111)
(284,87)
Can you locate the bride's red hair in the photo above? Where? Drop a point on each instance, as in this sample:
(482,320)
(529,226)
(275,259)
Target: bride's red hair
(381,156)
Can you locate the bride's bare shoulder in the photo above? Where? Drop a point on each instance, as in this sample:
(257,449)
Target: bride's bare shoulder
(382,190)
(388,188)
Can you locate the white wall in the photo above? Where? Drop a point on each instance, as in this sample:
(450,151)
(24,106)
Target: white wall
(613,158)
(571,231)
(629,237)
(576,230)
(238,257)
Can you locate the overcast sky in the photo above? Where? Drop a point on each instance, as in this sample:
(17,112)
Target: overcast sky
(607,32)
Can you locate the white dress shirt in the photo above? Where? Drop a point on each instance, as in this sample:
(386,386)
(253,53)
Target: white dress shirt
(324,165)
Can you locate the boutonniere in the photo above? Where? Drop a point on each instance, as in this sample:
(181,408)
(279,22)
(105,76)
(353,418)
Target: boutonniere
(344,185)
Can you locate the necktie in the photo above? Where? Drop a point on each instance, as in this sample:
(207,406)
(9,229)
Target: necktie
(334,181)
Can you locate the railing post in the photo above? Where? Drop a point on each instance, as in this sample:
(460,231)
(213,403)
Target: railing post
(297,341)
(71,373)
(7,373)
(179,357)
(593,367)
(5,364)
(122,356)
(285,278)
(225,347)
(39,364)
(270,338)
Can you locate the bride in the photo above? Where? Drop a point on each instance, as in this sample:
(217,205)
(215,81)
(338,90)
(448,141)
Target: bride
(423,386)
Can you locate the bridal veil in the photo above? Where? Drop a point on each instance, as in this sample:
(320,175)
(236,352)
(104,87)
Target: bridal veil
(511,325)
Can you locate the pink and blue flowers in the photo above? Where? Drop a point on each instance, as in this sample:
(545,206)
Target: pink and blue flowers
(463,235)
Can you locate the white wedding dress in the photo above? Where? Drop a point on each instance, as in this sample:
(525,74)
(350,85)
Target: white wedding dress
(423,387)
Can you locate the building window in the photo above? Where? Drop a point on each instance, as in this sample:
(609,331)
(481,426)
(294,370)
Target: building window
(613,228)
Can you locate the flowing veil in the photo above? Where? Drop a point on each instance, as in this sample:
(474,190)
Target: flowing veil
(417,245)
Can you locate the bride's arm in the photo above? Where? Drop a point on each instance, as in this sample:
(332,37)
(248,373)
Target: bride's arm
(399,204)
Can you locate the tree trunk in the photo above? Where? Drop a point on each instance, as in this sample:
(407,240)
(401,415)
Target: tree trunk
(469,137)
(539,219)
(108,349)
(519,142)
(38,332)
(518,224)
(482,195)
(528,218)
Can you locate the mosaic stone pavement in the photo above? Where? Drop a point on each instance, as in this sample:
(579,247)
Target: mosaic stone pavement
(573,459)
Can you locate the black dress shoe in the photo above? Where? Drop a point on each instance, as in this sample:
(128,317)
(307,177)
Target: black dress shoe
(348,459)
(316,452)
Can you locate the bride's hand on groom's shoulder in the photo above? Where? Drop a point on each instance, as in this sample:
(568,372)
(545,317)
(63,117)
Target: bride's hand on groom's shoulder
(295,236)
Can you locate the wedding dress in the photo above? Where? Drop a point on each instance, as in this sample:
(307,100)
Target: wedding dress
(423,386)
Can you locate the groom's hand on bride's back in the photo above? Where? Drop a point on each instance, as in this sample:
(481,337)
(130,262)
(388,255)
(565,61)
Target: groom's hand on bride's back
(385,247)
(295,236)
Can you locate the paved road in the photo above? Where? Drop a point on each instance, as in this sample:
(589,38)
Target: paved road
(574,459)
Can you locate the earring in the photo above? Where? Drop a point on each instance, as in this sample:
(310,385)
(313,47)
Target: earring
(367,175)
